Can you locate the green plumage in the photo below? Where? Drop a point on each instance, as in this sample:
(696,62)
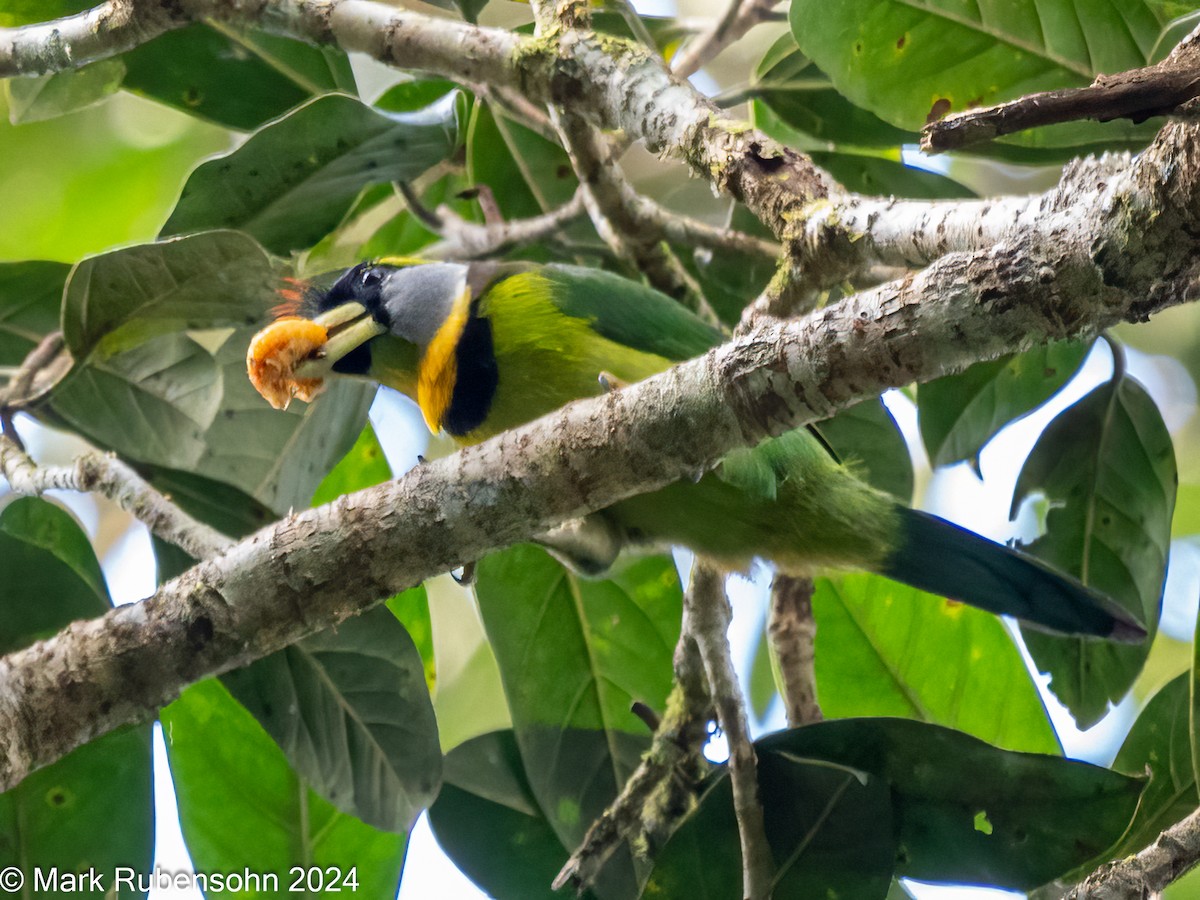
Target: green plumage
(554,329)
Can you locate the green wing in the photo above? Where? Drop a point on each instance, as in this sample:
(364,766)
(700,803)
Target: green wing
(629,313)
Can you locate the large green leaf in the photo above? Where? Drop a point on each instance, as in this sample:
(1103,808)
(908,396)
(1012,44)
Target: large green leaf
(30,306)
(488,822)
(239,79)
(968,812)
(154,393)
(803,97)
(49,576)
(351,710)
(120,299)
(573,655)
(902,59)
(886,649)
(1159,743)
(293,180)
(830,829)
(1107,468)
(866,435)
(960,413)
(243,809)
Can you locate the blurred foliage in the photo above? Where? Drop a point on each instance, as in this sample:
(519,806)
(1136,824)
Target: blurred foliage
(155,201)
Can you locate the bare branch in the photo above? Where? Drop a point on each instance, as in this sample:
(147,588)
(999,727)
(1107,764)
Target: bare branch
(468,240)
(661,791)
(112,478)
(1160,90)
(613,207)
(792,632)
(739,17)
(708,608)
(1147,874)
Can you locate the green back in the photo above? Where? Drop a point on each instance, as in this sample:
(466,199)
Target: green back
(630,313)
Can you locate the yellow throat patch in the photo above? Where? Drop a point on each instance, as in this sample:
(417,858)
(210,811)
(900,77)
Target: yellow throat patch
(437,371)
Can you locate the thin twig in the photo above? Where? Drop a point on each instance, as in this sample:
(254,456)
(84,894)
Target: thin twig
(613,206)
(739,17)
(681,229)
(107,475)
(792,632)
(45,364)
(661,790)
(462,239)
(1147,873)
(710,612)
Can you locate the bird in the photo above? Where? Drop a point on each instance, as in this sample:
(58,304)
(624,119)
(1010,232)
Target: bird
(483,347)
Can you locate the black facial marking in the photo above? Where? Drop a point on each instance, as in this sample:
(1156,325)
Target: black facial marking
(476,376)
(361,284)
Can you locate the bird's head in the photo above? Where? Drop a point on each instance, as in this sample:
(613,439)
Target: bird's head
(336,330)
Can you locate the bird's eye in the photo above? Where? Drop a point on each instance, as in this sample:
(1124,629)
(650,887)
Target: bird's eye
(371,277)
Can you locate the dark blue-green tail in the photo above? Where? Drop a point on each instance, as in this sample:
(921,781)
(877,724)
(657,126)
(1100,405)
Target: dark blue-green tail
(938,556)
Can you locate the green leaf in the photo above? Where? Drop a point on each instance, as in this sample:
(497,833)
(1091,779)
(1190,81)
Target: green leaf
(527,174)
(49,576)
(48,96)
(1159,743)
(242,808)
(885,649)
(93,809)
(903,60)
(1068,812)
(960,413)
(350,708)
(120,299)
(573,655)
(154,393)
(804,98)
(363,465)
(1107,468)
(294,179)
(239,79)
(487,821)
(410,96)
(30,306)
(866,435)
(830,829)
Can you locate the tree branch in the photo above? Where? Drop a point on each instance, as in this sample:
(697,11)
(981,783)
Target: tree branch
(792,632)
(710,614)
(661,790)
(107,475)
(461,239)
(1125,258)
(612,205)
(1138,94)
(615,84)
(739,17)
(1145,875)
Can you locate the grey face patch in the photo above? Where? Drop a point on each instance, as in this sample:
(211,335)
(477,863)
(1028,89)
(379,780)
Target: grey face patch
(417,299)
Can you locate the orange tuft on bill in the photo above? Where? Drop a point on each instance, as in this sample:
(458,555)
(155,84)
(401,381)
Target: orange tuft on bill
(274,354)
